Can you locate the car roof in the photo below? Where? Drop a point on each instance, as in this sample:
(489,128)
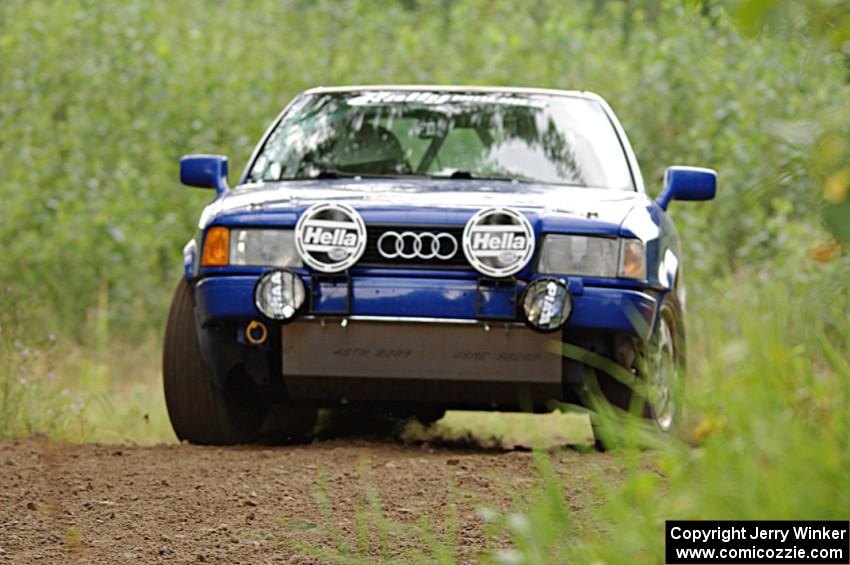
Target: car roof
(454,88)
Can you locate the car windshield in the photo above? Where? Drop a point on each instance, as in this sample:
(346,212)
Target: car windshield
(471,135)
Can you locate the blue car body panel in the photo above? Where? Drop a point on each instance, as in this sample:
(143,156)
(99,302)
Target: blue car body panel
(614,304)
(597,308)
(600,306)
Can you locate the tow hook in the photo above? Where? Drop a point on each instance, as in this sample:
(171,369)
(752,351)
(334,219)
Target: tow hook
(256,333)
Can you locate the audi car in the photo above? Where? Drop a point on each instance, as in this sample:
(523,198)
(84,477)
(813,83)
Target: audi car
(404,250)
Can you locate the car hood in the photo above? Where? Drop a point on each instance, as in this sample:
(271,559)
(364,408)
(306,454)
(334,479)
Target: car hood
(428,202)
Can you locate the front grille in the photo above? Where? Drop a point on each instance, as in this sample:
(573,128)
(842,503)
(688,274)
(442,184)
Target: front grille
(372,257)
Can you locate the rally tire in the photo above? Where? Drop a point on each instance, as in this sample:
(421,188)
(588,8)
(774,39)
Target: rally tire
(200,411)
(621,396)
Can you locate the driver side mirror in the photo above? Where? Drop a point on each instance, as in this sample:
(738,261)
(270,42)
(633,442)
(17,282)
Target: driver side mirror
(204,171)
(688,183)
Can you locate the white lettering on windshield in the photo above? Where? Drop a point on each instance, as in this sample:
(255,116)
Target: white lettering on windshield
(372,98)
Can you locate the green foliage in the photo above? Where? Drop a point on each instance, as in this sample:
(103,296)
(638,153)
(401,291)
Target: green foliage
(826,22)
(99,100)
(770,436)
(29,404)
(51,387)
(770,392)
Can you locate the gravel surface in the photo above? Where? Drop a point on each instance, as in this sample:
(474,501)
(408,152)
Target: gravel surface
(93,503)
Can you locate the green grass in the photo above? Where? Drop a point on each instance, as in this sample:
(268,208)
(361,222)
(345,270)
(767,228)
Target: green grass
(769,395)
(768,435)
(121,394)
(109,392)
(71,395)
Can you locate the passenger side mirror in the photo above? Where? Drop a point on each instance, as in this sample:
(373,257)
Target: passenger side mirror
(204,171)
(688,183)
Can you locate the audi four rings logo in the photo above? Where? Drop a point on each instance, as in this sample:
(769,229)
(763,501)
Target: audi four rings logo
(498,242)
(413,245)
(330,237)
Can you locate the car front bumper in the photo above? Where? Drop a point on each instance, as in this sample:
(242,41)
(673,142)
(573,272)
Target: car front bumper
(449,300)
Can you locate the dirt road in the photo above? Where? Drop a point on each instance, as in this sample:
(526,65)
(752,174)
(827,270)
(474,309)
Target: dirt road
(179,503)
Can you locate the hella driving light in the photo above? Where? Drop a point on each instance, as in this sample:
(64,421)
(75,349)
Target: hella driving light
(263,248)
(279,295)
(547,304)
(580,255)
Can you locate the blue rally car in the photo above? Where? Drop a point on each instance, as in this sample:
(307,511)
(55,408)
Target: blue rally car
(407,249)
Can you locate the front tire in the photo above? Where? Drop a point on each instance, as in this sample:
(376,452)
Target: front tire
(200,411)
(661,370)
(665,362)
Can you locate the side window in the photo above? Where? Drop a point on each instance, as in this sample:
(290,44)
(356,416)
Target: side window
(461,151)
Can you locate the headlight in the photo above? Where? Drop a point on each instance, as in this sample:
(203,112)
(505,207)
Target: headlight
(263,248)
(279,295)
(579,255)
(546,304)
(590,256)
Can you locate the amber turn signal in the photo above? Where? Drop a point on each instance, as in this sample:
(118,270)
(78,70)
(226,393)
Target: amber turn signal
(632,259)
(216,247)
